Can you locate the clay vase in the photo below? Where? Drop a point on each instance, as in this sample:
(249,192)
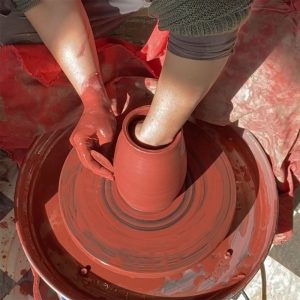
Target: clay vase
(148,179)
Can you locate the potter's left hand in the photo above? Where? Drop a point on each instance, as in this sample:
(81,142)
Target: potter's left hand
(95,127)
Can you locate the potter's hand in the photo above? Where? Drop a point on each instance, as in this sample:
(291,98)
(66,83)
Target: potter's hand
(95,127)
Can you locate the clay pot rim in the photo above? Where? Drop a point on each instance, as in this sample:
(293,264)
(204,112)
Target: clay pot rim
(142,111)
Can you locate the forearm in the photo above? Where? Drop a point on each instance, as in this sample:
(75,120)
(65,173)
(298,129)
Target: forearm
(64,28)
(181,86)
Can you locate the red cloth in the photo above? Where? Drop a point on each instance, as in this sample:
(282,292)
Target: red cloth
(259,89)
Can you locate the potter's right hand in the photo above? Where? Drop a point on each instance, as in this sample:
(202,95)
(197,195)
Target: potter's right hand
(95,127)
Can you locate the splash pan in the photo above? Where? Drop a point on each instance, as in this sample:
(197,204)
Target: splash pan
(151,245)
(83,256)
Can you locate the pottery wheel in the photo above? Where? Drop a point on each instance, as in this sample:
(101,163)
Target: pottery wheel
(149,244)
(86,243)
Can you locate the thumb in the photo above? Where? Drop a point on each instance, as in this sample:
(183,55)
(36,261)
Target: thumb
(102,160)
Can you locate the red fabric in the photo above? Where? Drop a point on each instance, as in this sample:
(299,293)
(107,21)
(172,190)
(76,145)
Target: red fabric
(259,89)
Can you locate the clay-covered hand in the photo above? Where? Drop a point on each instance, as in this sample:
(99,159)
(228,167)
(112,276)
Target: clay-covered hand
(95,130)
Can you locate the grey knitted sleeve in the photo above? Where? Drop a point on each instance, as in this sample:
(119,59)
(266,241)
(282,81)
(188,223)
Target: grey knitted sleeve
(23,5)
(203,47)
(199,17)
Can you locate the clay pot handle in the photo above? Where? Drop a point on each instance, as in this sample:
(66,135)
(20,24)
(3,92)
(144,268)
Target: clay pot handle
(106,168)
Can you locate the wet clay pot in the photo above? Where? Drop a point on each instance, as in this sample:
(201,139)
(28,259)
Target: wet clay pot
(148,179)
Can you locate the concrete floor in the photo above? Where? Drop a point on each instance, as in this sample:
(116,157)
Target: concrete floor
(289,254)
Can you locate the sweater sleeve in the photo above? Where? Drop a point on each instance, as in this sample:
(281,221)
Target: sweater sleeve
(203,47)
(199,17)
(24,5)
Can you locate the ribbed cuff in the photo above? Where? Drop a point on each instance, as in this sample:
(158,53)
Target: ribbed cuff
(204,47)
(199,17)
(226,24)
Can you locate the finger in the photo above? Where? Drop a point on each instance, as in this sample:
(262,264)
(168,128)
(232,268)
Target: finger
(105,141)
(101,171)
(83,152)
(102,160)
(78,137)
(104,138)
(88,162)
(151,85)
(114,106)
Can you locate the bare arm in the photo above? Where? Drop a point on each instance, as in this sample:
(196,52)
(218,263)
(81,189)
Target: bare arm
(181,86)
(64,28)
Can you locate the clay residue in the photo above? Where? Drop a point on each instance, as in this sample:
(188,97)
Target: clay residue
(81,49)
(26,288)
(3,225)
(187,281)
(23,272)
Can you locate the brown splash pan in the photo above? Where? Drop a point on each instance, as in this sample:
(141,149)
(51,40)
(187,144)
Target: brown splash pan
(65,255)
